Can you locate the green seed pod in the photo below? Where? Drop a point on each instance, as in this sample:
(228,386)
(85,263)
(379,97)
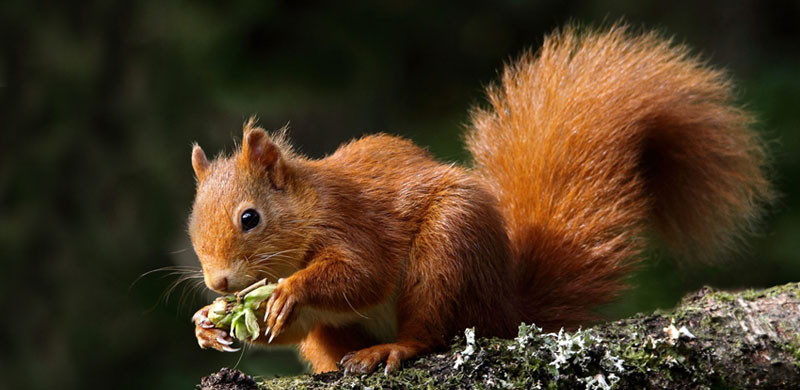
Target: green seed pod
(255,297)
(238,315)
(239,326)
(217,312)
(252,323)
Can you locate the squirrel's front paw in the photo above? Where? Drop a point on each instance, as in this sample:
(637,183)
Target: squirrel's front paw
(281,308)
(209,336)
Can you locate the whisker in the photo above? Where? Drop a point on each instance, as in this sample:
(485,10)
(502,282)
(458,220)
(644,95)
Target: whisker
(270,274)
(173,269)
(282,252)
(277,254)
(190,293)
(281,255)
(188,278)
(351,306)
(174,285)
(277,260)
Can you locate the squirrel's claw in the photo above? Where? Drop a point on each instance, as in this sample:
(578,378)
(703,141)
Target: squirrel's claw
(209,336)
(280,310)
(200,315)
(365,361)
(343,363)
(206,324)
(224,340)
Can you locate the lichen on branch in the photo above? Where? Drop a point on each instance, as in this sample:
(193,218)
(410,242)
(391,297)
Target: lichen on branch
(713,339)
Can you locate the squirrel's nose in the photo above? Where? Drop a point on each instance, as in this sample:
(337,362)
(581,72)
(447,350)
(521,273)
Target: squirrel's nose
(219,284)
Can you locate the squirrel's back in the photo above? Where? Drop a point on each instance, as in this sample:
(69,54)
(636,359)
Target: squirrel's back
(598,137)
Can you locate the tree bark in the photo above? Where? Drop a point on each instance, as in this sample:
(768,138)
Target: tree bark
(713,339)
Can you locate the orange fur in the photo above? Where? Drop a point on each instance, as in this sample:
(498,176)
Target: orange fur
(388,253)
(600,136)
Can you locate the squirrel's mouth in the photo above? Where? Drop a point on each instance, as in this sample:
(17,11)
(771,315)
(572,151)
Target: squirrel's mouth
(227,280)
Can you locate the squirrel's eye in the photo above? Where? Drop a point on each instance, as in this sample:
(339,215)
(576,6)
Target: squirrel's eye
(250,219)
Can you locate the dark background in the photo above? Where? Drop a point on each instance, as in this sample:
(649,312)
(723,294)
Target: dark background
(100,100)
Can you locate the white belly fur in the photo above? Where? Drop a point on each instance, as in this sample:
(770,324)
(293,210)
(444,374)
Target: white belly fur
(379,321)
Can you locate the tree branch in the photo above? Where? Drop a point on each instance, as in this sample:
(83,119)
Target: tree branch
(713,339)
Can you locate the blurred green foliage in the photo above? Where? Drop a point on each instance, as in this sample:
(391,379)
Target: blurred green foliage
(99,102)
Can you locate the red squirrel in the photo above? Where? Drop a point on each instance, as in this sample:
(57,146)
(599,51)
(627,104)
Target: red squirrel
(383,253)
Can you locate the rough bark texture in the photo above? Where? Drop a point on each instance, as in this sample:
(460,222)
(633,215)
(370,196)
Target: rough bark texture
(713,339)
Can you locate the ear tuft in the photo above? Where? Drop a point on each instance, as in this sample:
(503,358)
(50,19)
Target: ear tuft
(257,148)
(199,162)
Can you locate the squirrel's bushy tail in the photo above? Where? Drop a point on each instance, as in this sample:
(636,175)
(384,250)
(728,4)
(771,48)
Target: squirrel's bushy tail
(595,139)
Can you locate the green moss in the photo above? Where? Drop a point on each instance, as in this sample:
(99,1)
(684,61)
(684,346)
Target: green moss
(723,296)
(751,295)
(636,352)
(792,347)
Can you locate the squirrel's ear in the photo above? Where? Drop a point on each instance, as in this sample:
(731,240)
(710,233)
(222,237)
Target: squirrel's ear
(259,153)
(258,150)
(199,162)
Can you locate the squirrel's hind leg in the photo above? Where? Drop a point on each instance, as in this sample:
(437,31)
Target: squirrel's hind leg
(324,346)
(463,230)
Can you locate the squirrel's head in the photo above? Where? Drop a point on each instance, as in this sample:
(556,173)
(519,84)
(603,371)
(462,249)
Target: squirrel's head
(249,213)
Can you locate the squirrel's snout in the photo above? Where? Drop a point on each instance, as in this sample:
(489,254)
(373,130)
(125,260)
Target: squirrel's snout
(218,284)
(225,280)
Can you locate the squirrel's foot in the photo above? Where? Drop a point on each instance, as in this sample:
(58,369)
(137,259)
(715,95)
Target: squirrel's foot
(365,361)
(210,337)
